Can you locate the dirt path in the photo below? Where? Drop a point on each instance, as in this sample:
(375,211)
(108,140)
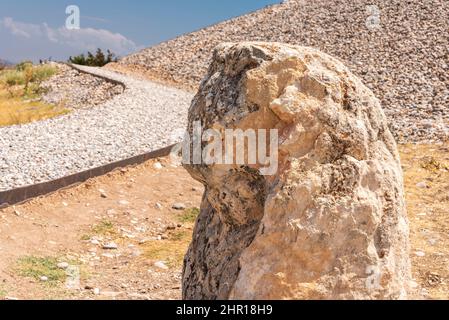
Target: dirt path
(426,178)
(132,209)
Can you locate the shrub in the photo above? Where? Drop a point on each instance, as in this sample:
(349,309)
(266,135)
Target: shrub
(100,58)
(24,65)
(81,60)
(12,78)
(36,75)
(42,73)
(90,59)
(30,75)
(97,60)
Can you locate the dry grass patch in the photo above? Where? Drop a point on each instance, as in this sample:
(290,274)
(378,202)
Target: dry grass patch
(104,228)
(37,267)
(33,268)
(14,111)
(189,215)
(19,96)
(171,251)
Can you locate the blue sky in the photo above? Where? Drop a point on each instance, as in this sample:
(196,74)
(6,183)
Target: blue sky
(31,29)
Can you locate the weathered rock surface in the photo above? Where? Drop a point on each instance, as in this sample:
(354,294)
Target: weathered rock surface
(331,223)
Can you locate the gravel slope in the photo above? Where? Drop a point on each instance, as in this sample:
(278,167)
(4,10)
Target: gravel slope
(78,90)
(140,120)
(401,52)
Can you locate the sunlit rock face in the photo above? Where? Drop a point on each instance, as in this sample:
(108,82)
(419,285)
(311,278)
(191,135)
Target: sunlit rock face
(330,222)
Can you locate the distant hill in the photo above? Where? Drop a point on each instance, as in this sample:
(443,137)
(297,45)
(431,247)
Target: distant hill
(399,48)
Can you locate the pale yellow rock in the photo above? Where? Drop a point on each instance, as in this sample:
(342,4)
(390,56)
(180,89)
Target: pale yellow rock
(331,223)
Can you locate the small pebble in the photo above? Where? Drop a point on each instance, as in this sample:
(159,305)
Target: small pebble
(421,185)
(63,265)
(161,265)
(110,246)
(102,193)
(123,202)
(158,206)
(179,206)
(157,166)
(420,254)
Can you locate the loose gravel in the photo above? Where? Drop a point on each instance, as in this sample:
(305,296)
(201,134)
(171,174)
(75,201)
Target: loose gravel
(400,49)
(141,119)
(73,89)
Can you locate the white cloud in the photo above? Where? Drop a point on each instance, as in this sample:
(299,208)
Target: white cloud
(19,29)
(84,39)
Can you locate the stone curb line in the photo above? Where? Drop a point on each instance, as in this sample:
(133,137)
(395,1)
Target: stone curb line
(76,67)
(23,194)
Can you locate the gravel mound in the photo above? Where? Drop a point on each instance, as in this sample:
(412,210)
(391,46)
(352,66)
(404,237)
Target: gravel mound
(77,90)
(399,48)
(141,119)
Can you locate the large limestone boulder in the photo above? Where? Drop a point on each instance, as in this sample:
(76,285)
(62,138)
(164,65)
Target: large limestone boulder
(330,223)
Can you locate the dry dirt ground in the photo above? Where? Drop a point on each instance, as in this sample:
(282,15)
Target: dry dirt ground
(131,209)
